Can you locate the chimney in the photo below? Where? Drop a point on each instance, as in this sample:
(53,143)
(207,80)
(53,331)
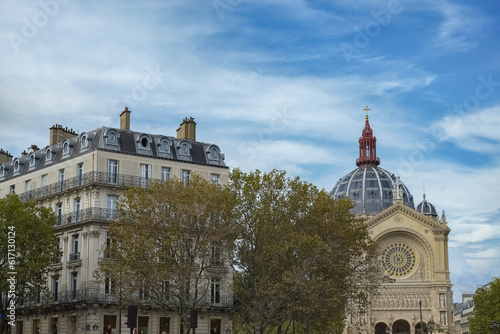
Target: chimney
(58,134)
(125,119)
(5,156)
(187,129)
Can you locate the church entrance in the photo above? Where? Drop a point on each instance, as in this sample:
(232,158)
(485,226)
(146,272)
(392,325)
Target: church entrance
(419,326)
(401,327)
(380,328)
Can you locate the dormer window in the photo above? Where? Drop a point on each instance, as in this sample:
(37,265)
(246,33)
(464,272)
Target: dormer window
(85,140)
(164,147)
(143,144)
(67,147)
(213,154)
(49,155)
(184,150)
(32,160)
(4,169)
(18,166)
(111,137)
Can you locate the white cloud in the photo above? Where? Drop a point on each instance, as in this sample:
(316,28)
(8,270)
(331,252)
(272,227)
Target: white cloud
(476,131)
(456,28)
(493,252)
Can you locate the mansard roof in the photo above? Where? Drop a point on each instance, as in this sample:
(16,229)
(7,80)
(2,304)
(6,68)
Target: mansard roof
(121,141)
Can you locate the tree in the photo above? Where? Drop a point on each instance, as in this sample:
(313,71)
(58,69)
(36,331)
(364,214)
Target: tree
(300,258)
(27,246)
(486,309)
(165,241)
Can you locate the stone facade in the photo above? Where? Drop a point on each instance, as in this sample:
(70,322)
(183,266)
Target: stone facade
(413,249)
(81,177)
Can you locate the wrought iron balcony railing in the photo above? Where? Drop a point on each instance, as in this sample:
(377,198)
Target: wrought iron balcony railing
(84,216)
(74,256)
(87,179)
(92,295)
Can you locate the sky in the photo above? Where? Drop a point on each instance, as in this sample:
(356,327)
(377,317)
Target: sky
(280,84)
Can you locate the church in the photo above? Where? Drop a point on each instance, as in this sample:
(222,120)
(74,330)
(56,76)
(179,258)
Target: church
(413,245)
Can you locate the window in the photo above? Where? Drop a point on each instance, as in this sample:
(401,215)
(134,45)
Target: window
(108,245)
(73,285)
(77,213)
(109,286)
(185,175)
(111,206)
(215,291)
(55,289)
(12,189)
(216,256)
(143,143)
(32,160)
(112,171)
(215,178)
(165,288)
(111,141)
(58,210)
(142,324)
(36,326)
(28,185)
(61,180)
(66,148)
(143,293)
(164,325)
(49,155)
(145,175)
(75,251)
(165,173)
(79,173)
(3,171)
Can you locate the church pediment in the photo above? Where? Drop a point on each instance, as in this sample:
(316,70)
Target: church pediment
(400,213)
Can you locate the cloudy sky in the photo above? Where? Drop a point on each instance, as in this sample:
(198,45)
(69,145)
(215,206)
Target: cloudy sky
(280,84)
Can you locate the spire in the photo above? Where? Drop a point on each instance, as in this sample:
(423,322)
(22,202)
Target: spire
(367,145)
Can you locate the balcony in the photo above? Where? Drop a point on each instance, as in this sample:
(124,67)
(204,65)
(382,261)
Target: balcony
(74,256)
(87,179)
(84,216)
(100,295)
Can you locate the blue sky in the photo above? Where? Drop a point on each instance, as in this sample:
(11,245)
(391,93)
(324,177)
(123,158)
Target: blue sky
(280,84)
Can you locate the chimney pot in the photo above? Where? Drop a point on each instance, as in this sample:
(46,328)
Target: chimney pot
(187,129)
(125,119)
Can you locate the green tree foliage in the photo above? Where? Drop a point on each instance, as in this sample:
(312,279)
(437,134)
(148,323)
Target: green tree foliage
(165,241)
(300,258)
(27,246)
(486,308)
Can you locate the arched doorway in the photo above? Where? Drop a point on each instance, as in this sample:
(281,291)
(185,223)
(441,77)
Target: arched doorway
(401,327)
(418,327)
(380,328)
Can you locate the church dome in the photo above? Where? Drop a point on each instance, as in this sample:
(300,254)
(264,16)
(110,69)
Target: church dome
(426,208)
(371,188)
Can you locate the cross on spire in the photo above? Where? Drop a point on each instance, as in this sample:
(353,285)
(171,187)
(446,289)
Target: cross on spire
(367,110)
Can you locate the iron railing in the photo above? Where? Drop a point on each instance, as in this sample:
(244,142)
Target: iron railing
(86,215)
(87,179)
(93,295)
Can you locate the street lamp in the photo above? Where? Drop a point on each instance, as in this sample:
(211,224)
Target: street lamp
(431,326)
